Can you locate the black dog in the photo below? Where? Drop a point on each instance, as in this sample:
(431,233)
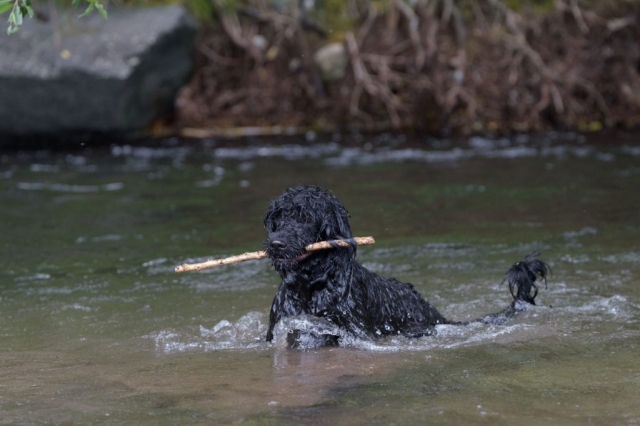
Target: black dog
(330,283)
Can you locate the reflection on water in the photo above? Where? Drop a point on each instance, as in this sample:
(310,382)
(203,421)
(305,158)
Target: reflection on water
(96,327)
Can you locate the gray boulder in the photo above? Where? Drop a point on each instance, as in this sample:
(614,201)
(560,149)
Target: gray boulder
(332,61)
(93,76)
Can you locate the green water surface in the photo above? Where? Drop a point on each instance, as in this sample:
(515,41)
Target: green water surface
(95,327)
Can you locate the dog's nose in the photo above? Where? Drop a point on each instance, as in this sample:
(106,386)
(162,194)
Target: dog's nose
(278,245)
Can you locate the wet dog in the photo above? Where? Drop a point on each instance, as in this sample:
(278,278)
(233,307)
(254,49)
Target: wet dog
(330,284)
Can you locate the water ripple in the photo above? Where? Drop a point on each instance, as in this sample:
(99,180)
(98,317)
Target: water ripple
(61,187)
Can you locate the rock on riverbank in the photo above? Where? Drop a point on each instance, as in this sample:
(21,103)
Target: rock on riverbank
(88,76)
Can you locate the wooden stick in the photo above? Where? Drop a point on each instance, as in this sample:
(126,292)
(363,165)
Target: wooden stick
(361,241)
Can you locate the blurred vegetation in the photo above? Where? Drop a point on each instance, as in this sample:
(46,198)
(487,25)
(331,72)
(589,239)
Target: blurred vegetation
(464,66)
(467,66)
(335,14)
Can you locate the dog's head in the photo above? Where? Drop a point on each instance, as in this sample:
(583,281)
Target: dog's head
(301,216)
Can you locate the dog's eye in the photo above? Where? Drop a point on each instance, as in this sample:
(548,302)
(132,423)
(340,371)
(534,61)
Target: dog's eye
(270,226)
(307,219)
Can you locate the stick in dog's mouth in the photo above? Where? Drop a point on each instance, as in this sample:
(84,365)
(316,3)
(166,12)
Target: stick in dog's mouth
(322,245)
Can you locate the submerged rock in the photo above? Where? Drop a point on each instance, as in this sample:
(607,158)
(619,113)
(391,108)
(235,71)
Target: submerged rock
(73,76)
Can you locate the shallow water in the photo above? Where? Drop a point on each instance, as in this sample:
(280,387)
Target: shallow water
(96,327)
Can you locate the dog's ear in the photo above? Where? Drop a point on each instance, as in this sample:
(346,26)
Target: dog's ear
(337,226)
(269,217)
(267,223)
(342,219)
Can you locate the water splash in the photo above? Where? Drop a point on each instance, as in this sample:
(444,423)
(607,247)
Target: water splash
(246,333)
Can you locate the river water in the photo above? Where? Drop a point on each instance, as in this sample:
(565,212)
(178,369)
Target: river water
(95,327)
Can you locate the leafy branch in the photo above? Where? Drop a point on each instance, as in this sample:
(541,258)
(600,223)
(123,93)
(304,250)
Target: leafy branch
(93,4)
(19,9)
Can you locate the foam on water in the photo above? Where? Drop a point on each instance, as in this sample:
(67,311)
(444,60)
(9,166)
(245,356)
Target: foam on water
(368,153)
(289,152)
(33,277)
(100,239)
(44,168)
(581,233)
(248,332)
(60,187)
(158,160)
(147,153)
(632,258)
(77,307)
(616,308)
(478,148)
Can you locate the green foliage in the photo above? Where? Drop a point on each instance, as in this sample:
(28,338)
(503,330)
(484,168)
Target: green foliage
(334,15)
(92,4)
(19,9)
(202,10)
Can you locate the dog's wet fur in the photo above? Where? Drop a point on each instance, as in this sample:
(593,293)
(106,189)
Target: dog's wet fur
(330,284)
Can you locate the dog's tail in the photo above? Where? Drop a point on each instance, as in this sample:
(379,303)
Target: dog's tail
(521,278)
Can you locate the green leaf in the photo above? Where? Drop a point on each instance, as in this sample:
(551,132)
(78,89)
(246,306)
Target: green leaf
(26,10)
(4,7)
(75,3)
(16,17)
(101,9)
(89,9)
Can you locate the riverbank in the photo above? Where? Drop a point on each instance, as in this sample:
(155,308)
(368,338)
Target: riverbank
(431,67)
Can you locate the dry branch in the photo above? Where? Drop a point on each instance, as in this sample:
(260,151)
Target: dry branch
(414,34)
(374,87)
(254,255)
(467,66)
(232,27)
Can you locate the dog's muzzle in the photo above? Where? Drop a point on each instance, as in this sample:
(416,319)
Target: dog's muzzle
(281,252)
